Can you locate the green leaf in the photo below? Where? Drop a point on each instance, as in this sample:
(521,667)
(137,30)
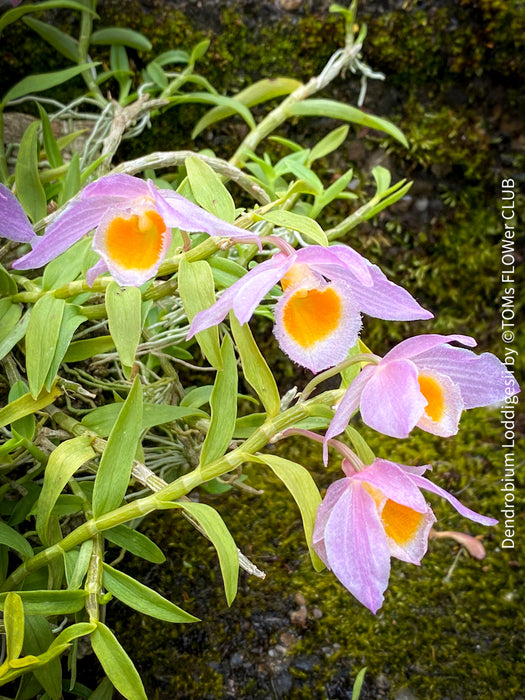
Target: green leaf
(13,539)
(63,462)
(139,597)
(338,110)
(7,284)
(125,321)
(157,75)
(208,189)
(49,602)
(50,143)
(329,143)
(14,625)
(81,350)
(12,15)
(116,663)
(197,397)
(59,40)
(360,445)
(331,193)
(225,271)
(121,36)
(13,333)
(221,100)
(256,371)
(382,177)
(29,189)
(37,639)
(223,402)
(102,419)
(213,526)
(197,292)
(71,320)
(300,484)
(76,564)
(115,466)
(24,426)
(356,689)
(260,91)
(41,339)
(44,81)
(296,222)
(72,181)
(135,542)
(246,425)
(26,405)
(66,267)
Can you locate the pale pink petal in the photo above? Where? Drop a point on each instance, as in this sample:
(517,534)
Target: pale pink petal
(14,223)
(79,218)
(473,546)
(482,379)
(347,407)
(336,261)
(316,345)
(424,483)
(333,494)
(98,269)
(177,211)
(391,401)
(411,347)
(387,300)
(394,483)
(243,296)
(125,187)
(357,547)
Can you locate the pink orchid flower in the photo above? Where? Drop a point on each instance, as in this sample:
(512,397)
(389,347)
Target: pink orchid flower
(14,223)
(132,219)
(372,515)
(423,381)
(318,318)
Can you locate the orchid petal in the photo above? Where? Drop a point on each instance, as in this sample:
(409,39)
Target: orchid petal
(119,185)
(424,483)
(394,483)
(333,494)
(98,269)
(316,326)
(177,211)
(357,547)
(387,300)
(391,401)
(411,347)
(482,379)
(79,218)
(410,549)
(14,223)
(336,261)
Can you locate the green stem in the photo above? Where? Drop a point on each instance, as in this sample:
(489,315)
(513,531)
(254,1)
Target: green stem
(86,27)
(4,174)
(180,487)
(365,357)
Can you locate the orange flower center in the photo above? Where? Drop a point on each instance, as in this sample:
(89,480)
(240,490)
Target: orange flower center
(433,393)
(310,315)
(135,243)
(400,522)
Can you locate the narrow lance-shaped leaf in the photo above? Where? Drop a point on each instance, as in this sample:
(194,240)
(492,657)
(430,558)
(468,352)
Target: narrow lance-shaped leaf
(135,542)
(13,539)
(300,484)
(28,186)
(121,36)
(41,339)
(125,323)
(197,292)
(215,529)
(63,462)
(297,222)
(49,602)
(223,402)
(37,640)
(12,15)
(14,625)
(208,189)
(24,426)
(59,40)
(26,405)
(116,464)
(71,320)
(43,81)
(139,597)
(116,663)
(50,144)
(254,367)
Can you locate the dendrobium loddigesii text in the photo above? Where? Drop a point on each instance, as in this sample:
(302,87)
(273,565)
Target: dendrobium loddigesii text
(318,317)
(424,381)
(133,221)
(374,514)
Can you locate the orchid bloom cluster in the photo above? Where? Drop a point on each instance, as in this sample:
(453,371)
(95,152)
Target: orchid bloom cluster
(374,512)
